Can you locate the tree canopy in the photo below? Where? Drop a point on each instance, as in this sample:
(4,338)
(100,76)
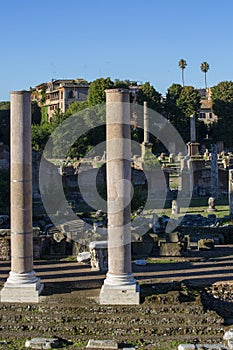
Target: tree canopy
(96,93)
(181,103)
(148,93)
(222,97)
(182,64)
(204,68)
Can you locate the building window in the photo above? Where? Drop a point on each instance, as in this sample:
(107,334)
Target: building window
(202,115)
(71,94)
(61,95)
(210,115)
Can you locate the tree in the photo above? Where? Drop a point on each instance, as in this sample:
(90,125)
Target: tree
(189,100)
(58,117)
(96,93)
(172,111)
(5,122)
(75,107)
(222,97)
(182,65)
(204,68)
(151,162)
(5,188)
(36,113)
(148,93)
(40,135)
(124,84)
(181,102)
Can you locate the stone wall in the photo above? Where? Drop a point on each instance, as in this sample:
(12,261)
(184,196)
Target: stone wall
(202,182)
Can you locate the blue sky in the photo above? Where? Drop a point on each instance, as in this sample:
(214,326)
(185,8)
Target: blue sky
(126,39)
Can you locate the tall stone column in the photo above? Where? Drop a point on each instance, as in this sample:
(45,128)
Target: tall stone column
(192,128)
(230,190)
(146,145)
(146,123)
(214,171)
(193,146)
(22,284)
(119,286)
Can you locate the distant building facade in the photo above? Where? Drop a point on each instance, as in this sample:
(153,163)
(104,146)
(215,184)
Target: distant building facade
(206,113)
(59,94)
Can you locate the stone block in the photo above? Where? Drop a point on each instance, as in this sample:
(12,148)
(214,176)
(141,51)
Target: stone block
(228,335)
(205,244)
(230,344)
(5,248)
(99,255)
(202,347)
(170,249)
(120,295)
(42,343)
(186,347)
(25,293)
(102,344)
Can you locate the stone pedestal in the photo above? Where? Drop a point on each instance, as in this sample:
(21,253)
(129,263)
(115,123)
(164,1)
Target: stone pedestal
(193,148)
(22,284)
(145,147)
(119,286)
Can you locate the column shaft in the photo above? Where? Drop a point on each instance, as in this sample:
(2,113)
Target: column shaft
(22,284)
(146,123)
(21,183)
(119,286)
(192,128)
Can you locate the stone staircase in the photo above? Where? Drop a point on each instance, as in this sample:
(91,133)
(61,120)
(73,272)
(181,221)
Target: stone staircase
(170,314)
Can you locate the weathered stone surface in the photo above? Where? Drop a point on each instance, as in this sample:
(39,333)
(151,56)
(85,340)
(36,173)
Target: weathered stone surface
(186,347)
(205,244)
(102,344)
(228,335)
(175,207)
(119,286)
(84,256)
(202,347)
(230,344)
(99,255)
(120,295)
(170,249)
(42,343)
(5,248)
(22,283)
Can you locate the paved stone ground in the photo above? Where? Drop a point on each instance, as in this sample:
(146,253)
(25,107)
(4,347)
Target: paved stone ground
(187,300)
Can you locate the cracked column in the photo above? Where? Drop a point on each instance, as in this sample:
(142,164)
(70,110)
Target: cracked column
(22,284)
(119,286)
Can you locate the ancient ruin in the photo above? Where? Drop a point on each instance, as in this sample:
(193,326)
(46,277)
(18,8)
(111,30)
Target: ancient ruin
(119,286)
(22,284)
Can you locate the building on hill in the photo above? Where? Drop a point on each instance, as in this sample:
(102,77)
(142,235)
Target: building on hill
(59,94)
(206,113)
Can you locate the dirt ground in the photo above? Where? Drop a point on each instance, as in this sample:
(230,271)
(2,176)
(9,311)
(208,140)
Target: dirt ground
(182,300)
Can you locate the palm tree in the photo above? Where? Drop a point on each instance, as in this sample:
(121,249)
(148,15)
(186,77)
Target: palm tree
(182,65)
(204,68)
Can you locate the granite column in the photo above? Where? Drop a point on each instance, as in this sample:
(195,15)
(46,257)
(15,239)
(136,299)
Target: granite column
(22,284)
(119,286)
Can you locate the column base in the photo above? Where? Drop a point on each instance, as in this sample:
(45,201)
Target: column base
(115,292)
(21,288)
